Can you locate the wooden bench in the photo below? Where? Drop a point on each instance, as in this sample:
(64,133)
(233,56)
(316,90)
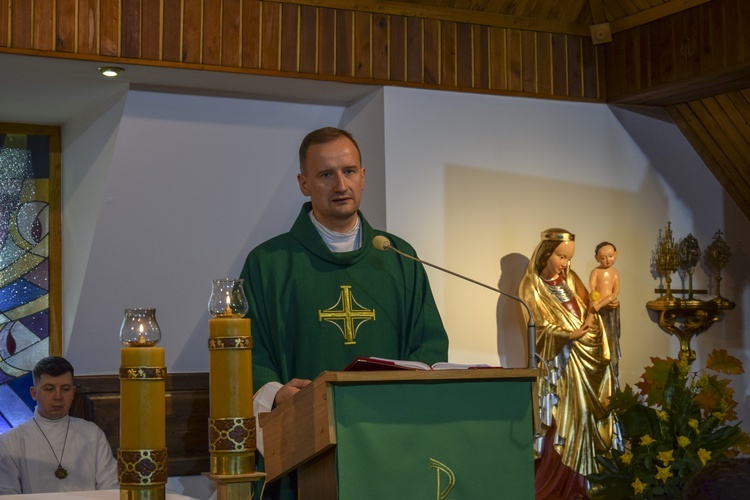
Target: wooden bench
(187,410)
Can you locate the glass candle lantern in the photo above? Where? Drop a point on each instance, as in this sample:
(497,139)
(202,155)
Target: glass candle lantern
(139,328)
(227,298)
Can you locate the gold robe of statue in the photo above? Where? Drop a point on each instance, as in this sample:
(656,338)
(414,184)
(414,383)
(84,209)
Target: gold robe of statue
(578,377)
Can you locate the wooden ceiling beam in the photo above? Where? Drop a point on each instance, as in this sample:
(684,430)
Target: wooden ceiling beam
(449,14)
(653,14)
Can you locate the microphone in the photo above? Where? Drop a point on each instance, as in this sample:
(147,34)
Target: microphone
(382,243)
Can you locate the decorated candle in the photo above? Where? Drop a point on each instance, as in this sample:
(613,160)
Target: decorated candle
(231,372)
(142,398)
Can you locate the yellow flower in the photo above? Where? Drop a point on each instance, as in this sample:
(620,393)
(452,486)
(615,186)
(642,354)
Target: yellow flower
(719,416)
(704,455)
(662,415)
(693,423)
(683,441)
(626,457)
(664,473)
(647,440)
(638,486)
(665,457)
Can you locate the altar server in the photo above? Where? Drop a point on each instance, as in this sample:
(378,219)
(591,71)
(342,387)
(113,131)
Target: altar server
(53,452)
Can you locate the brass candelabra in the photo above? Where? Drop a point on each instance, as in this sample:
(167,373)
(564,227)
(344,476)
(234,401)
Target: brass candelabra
(687,317)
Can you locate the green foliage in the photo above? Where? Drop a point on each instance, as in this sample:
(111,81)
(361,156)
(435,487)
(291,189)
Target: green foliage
(674,425)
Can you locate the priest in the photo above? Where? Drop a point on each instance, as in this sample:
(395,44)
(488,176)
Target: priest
(321,294)
(53,452)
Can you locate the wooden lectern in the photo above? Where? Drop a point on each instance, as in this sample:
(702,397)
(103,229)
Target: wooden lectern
(407,434)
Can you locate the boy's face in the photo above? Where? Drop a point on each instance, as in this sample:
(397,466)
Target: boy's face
(54,395)
(606,256)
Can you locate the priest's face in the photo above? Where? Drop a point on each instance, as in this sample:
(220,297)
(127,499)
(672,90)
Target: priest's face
(334,179)
(54,395)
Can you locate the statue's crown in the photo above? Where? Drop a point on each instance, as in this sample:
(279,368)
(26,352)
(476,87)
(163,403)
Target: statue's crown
(556,235)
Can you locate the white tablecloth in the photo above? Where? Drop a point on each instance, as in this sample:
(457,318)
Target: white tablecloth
(93,495)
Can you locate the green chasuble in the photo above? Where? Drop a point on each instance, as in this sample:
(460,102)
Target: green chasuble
(314,310)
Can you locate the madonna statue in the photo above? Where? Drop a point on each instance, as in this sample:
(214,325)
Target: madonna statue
(576,377)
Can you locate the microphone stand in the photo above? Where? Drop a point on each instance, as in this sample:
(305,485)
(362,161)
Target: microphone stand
(530,327)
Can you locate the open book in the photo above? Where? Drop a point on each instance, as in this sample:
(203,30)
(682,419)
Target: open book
(379,364)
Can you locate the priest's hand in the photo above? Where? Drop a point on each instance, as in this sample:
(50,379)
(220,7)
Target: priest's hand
(289,389)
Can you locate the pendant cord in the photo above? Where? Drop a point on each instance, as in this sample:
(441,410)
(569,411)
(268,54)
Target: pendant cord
(59,461)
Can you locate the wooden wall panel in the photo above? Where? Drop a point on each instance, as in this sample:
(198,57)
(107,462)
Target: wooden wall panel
(192,31)
(575,81)
(21,21)
(289,38)
(448,50)
(431,52)
(88,26)
(308,40)
(211,33)
(544,63)
(270,46)
(464,53)
(657,63)
(151,30)
(252,33)
(327,42)
(528,62)
(362,45)
(514,54)
(97,399)
(65,38)
(267,37)
(380,47)
(110,28)
(414,47)
(131,29)
(5,23)
(344,50)
(231,33)
(497,58)
(481,54)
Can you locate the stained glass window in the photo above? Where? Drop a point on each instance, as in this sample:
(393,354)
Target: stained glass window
(29,261)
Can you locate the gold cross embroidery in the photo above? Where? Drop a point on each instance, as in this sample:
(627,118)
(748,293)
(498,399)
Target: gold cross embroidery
(347,315)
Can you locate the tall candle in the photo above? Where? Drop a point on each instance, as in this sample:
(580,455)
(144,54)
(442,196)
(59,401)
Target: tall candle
(142,398)
(231,426)
(231,369)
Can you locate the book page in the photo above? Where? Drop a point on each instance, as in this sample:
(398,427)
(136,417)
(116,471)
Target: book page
(445,365)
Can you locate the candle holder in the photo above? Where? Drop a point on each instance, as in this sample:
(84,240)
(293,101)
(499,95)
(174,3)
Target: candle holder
(717,257)
(142,455)
(231,424)
(227,298)
(139,328)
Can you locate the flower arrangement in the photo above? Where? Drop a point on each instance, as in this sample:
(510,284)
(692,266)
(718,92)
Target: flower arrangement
(675,424)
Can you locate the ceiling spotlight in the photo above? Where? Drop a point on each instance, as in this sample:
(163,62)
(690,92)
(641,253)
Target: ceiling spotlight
(110,71)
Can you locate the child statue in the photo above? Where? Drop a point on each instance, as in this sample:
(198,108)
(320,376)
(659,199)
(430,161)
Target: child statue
(604,284)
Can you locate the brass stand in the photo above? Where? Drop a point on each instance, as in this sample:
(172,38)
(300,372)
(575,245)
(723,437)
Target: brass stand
(686,319)
(235,486)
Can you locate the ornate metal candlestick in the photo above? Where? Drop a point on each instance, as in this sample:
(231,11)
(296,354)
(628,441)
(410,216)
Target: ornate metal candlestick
(688,256)
(666,263)
(717,256)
